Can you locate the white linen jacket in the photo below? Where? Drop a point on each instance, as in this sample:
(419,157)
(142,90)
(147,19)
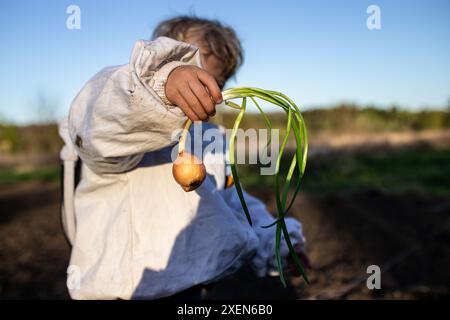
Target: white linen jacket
(136,233)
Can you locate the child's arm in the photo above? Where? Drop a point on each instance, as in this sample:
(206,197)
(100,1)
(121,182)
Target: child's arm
(264,261)
(123,112)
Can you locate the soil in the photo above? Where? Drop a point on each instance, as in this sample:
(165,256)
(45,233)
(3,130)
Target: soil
(407,235)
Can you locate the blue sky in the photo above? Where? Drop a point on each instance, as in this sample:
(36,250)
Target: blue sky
(318,52)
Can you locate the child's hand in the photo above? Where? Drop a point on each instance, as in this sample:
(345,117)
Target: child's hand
(194,91)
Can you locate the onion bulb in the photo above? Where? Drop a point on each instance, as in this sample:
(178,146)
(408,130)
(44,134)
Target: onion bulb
(189,172)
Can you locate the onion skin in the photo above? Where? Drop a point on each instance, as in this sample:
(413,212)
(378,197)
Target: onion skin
(189,172)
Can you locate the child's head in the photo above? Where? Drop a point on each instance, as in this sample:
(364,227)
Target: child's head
(220,48)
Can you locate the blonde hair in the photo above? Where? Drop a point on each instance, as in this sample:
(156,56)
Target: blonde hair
(221,40)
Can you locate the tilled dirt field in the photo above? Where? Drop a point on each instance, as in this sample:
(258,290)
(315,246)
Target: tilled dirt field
(407,235)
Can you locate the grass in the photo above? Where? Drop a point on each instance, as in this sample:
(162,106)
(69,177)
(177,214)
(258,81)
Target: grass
(427,171)
(11,176)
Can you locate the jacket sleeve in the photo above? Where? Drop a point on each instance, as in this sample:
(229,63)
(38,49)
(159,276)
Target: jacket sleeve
(264,261)
(122,112)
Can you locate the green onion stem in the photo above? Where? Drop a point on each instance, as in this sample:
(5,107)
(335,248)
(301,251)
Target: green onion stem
(296,126)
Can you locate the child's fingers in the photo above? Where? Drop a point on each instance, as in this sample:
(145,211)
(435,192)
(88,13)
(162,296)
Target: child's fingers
(193,102)
(184,106)
(211,84)
(200,91)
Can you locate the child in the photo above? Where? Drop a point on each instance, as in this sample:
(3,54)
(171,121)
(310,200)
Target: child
(138,234)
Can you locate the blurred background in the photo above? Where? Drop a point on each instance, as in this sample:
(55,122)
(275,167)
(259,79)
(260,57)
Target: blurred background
(376,103)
